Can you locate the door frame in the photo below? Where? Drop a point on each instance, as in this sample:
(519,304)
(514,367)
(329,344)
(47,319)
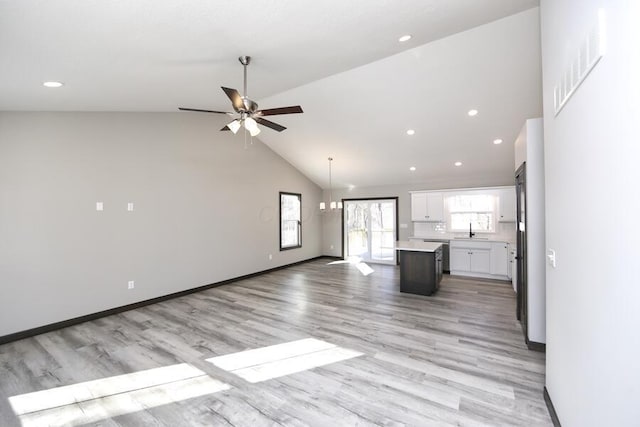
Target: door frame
(521,251)
(363,199)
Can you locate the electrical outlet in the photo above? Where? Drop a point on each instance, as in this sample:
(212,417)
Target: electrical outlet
(270,256)
(132,284)
(130,206)
(331,247)
(99,206)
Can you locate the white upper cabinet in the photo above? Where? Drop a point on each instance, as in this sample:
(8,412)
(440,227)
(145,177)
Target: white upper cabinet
(418,206)
(435,207)
(427,207)
(507,205)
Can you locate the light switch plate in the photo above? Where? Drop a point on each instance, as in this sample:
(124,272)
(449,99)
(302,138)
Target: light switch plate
(130,207)
(99,206)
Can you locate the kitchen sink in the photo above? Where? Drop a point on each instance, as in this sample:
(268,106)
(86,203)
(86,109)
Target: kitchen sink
(472,238)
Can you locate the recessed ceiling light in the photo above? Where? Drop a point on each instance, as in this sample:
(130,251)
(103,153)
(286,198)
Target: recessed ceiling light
(412,168)
(405,38)
(497,141)
(458,163)
(473,113)
(411,132)
(51,84)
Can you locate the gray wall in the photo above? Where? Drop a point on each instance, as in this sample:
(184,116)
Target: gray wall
(592,203)
(206,210)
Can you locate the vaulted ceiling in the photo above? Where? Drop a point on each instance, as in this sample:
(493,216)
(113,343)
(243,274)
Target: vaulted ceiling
(360,88)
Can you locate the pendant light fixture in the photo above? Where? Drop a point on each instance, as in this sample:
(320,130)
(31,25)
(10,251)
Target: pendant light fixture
(332,205)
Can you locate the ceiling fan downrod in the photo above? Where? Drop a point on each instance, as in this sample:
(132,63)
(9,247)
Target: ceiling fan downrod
(245,60)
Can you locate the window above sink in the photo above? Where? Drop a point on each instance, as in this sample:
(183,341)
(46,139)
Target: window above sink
(475,209)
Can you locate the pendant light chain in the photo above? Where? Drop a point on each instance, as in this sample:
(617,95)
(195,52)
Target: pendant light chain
(332,205)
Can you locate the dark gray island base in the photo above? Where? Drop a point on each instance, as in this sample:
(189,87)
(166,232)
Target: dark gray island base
(420,267)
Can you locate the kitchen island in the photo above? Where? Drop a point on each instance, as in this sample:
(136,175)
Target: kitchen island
(420,266)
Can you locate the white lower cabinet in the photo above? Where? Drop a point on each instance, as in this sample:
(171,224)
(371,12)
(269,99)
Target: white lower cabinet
(459,259)
(500,259)
(479,259)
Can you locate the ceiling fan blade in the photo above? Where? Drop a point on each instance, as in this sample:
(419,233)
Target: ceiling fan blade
(203,111)
(225,128)
(235,98)
(270,124)
(282,110)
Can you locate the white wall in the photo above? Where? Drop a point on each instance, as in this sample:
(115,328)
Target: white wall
(529,148)
(206,210)
(592,205)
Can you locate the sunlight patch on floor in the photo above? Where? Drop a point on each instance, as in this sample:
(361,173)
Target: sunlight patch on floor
(275,361)
(96,400)
(364,269)
(357,261)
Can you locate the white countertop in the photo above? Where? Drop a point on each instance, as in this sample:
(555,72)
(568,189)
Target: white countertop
(417,246)
(461,239)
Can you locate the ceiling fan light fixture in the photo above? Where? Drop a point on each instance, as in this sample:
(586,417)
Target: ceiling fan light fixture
(332,205)
(250,123)
(234,126)
(252,126)
(254,131)
(323,206)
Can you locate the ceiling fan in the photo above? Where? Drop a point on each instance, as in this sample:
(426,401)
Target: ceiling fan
(250,116)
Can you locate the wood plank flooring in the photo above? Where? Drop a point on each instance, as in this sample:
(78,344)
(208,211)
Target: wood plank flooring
(455,358)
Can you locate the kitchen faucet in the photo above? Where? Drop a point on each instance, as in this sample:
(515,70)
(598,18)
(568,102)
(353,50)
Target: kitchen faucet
(471,234)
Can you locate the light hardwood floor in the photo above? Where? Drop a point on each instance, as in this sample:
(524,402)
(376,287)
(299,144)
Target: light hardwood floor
(456,358)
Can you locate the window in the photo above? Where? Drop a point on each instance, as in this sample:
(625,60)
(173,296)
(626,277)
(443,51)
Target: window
(475,209)
(290,221)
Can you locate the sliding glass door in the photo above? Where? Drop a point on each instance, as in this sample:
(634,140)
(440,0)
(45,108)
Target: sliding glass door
(370,230)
